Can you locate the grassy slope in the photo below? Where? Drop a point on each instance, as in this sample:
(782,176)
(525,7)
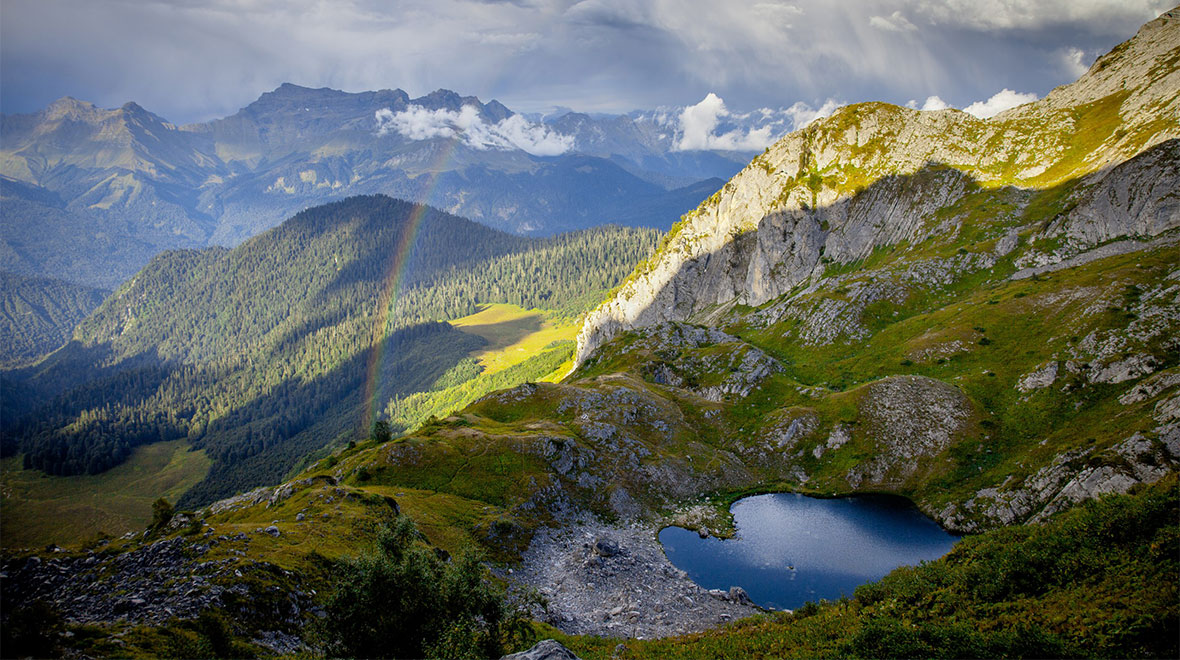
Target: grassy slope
(514,334)
(41,509)
(522,345)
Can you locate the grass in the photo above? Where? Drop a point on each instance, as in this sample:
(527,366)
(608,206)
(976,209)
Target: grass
(70,511)
(513,334)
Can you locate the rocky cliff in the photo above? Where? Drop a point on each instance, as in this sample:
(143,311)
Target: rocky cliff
(875,175)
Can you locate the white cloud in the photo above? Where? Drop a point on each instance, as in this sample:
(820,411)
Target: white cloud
(710,125)
(415,123)
(697,123)
(895,22)
(999,102)
(1074,61)
(802,114)
(533,138)
(514,132)
(698,129)
(932,103)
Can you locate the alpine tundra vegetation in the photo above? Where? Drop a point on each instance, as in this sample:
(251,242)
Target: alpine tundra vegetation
(982,316)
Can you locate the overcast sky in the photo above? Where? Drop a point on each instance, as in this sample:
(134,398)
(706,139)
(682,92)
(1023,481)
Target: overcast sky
(191,60)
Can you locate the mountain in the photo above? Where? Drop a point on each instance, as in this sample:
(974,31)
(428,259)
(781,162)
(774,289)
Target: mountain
(128,184)
(979,316)
(262,354)
(39,315)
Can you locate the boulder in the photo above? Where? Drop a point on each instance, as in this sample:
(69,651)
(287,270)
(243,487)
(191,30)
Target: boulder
(605,547)
(548,649)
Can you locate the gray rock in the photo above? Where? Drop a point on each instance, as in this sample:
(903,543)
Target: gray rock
(739,595)
(1150,387)
(548,649)
(272,530)
(605,547)
(1043,376)
(1130,368)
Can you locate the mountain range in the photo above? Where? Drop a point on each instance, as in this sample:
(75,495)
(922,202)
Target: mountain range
(980,316)
(126,183)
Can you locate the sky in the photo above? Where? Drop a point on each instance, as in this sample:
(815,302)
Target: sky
(194,60)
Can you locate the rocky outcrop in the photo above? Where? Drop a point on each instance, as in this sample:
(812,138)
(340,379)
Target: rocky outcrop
(909,420)
(1071,478)
(874,175)
(546,649)
(1135,198)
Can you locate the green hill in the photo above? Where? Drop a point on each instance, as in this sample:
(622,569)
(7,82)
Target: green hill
(295,340)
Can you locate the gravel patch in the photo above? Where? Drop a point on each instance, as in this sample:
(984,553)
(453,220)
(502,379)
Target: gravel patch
(615,581)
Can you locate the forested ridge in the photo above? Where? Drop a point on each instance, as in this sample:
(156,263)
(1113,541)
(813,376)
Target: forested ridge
(259,354)
(37,315)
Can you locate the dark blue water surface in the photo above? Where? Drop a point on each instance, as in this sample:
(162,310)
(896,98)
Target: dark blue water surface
(790,549)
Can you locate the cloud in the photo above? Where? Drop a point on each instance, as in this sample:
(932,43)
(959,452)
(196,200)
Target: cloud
(698,129)
(592,55)
(894,23)
(999,102)
(1073,60)
(802,114)
(533,138)
(710,125)
(417,123)
(697,123)
(995,15)
(932,103)
(514,132)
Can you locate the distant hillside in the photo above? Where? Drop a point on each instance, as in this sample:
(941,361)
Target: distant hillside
(38,315)
(263,353)
(127,184)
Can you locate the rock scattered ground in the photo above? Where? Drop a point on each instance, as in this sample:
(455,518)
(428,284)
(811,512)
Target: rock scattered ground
(615,581)
(155,583)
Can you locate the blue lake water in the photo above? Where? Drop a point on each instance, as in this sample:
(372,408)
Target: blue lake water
(790,549)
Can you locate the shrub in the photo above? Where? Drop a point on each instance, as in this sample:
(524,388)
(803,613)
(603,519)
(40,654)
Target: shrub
(406,601)
(161,513)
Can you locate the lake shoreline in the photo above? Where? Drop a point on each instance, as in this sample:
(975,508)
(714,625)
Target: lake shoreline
(635,592)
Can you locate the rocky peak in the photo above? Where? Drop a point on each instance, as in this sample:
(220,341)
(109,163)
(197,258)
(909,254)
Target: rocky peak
(874,174)
(68,107)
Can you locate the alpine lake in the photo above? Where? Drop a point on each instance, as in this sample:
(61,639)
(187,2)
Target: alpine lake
(790,549)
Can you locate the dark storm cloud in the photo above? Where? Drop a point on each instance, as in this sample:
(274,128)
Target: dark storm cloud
(190,60)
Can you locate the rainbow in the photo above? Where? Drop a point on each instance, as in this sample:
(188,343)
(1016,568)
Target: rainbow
(394,274)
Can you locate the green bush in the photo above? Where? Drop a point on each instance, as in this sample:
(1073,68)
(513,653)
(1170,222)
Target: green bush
(161,513)
(405,601)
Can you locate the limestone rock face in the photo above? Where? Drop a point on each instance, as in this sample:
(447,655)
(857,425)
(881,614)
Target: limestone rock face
(874,175)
